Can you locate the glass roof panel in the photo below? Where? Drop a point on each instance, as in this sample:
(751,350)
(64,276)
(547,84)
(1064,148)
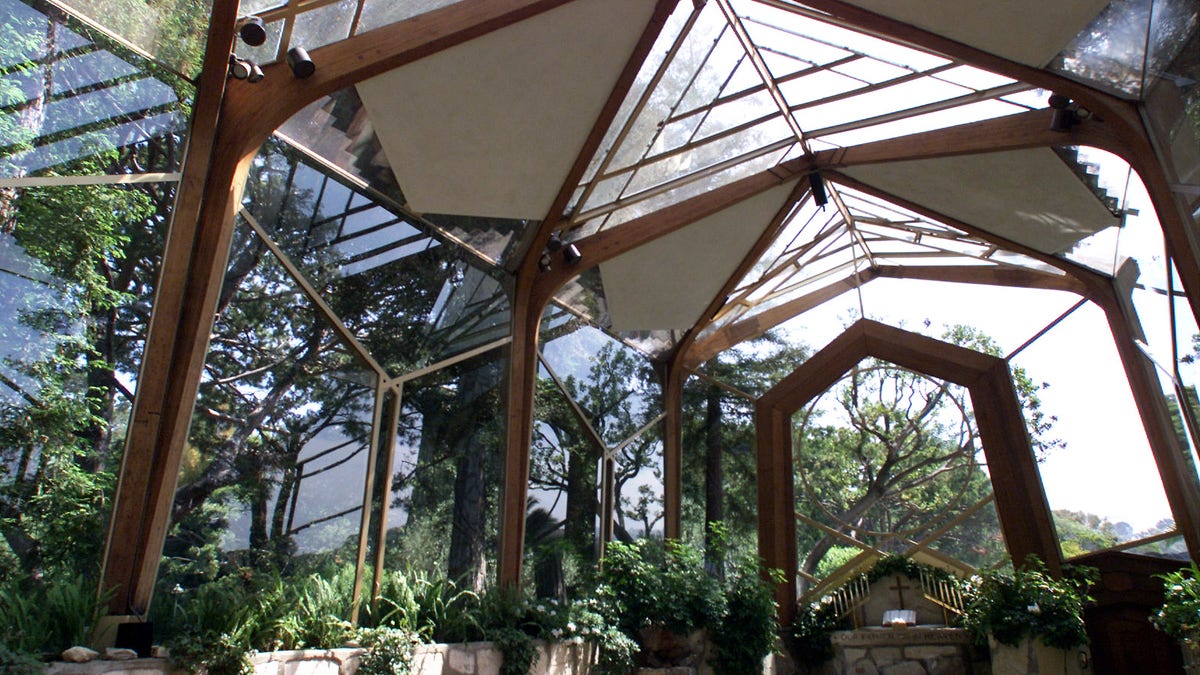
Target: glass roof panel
(411,297)
(323,25)
(1111,52)
(337,130)
(376,13)
(69,93)
(171,31)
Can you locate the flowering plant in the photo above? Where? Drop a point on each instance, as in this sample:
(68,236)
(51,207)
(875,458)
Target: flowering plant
(1028,601)
(1179,615)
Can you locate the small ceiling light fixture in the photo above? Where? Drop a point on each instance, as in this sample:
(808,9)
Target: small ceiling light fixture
(244,69)
(298,60)
(817,185)
(252,31)
(1066,113)
(571,254)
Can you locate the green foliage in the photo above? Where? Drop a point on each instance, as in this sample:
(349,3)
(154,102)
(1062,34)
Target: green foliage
(47,617)
(666,585)
(517,646)
(811,631)
(389,651)
(746,634)
(1179,615)
(834,559)
(660,584)
(14,662)
(1029,602)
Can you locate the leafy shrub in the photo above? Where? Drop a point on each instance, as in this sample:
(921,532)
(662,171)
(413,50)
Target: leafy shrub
(666,585)
(389,651)
(811,631)
(45,618)
(651,584)
(746,633)
(1028,601)
(1179,615)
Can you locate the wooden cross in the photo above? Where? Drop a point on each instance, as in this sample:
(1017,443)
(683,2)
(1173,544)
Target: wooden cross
(899,588)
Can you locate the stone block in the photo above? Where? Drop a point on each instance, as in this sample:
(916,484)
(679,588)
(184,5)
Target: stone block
(428,659)
(488,660)
(952,665)
(461,660)
(903,668)
(853,655)
(920,652)
(864,667)
(884,655)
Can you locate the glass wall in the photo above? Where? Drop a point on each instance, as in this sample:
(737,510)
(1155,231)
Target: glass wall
(91,135)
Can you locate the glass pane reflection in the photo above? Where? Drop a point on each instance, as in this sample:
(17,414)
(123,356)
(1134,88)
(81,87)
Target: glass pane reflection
(67,93)
(281,436)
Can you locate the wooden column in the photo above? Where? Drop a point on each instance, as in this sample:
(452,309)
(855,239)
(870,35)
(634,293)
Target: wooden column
(193,265)
(777,503)
(522,381)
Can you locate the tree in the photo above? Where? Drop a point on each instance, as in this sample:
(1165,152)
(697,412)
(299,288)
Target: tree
(718,436)
(888,454)
(617,395)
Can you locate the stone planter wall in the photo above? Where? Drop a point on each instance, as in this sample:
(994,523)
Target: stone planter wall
(1032,656)
(472,658)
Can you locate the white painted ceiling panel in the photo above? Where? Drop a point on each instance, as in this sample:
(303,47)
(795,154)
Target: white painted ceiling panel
(1028,196)
(491,127)
(668,283)
(1026,31)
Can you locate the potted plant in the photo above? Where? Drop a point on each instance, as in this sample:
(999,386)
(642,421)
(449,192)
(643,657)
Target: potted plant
(1026,615)
(1179,615)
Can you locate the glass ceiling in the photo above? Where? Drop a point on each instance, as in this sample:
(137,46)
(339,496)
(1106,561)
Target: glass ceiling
(731,89)
(70,94)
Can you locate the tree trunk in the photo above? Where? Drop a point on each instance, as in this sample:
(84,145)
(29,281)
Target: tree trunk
(714,480)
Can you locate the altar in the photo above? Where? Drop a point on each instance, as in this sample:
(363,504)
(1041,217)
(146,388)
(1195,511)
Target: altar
(915,650)
(902,630)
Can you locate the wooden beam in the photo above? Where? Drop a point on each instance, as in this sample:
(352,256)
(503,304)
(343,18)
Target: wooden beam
(776,503)
(229,125)
(554,219)
(1011,132)
(149,470)
(1021,505)
(347,62)
(1127,132)
(747,329)
(530,297)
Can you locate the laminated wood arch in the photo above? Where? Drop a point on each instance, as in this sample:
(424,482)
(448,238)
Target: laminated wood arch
(1021,504)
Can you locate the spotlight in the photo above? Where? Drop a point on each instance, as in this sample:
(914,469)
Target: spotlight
(240,69)
(817,185)
(555,243)
(256,73)
(252,31)
(571,254)
(1066,114)
(302,66)
(544,262)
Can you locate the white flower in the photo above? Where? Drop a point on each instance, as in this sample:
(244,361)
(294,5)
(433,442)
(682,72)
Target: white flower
(571,626)
(556,633)
(1034,609)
